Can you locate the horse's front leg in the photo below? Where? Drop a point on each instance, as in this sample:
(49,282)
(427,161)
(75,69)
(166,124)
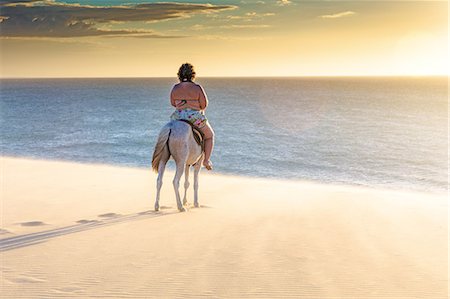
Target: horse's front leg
(176,184)
(197,168)
(186,183)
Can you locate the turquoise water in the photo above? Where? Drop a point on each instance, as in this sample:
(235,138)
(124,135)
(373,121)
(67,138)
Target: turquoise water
(378,132)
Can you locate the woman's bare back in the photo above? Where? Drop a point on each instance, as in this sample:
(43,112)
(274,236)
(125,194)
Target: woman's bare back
(188,95)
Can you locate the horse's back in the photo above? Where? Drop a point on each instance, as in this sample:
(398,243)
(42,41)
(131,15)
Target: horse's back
(180,131)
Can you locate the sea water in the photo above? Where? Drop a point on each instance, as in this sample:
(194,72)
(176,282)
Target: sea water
(389,132)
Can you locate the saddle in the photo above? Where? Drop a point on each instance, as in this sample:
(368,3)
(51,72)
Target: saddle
(198,135)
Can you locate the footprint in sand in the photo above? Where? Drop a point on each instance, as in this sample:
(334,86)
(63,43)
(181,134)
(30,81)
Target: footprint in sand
(32,223)
(67,290)
(204,207)
(109,215)
(4,231)
(85,221)
(146,212)
(26,279)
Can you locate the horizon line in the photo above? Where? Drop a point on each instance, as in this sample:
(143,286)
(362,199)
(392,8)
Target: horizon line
(207,77)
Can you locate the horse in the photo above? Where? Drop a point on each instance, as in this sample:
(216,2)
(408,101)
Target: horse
(176,140)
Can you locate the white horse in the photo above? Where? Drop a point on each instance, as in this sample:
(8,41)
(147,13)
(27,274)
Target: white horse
(176,140)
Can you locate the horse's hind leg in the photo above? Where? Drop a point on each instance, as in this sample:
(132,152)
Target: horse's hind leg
(197,168)
(186,183)
(176,183)
(159,182)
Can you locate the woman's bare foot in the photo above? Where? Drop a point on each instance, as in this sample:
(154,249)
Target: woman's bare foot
(207,164)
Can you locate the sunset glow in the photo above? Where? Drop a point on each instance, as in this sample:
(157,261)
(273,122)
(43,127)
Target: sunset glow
(88,38)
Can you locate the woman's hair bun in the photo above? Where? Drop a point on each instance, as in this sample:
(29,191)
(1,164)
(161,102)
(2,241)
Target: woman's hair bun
(186,72)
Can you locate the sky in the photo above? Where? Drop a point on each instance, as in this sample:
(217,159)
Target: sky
(143,38)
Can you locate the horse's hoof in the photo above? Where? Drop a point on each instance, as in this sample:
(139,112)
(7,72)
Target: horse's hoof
(181,209)
(196,204)
(156,208)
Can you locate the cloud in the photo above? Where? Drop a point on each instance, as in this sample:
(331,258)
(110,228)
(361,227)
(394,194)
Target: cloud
(14,2)
(246,26)
(250,16)
(197,27)
(228,38)
(338,15)
(48,18)
(284,2)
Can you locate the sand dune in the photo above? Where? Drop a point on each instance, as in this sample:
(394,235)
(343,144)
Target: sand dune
(86,231)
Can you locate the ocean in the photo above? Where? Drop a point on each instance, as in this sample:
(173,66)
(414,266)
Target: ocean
(388,132)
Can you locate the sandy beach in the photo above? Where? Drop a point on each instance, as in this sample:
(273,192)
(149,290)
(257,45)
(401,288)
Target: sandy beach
(89,231)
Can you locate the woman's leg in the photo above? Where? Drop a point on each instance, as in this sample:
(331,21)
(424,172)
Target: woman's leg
(208,134)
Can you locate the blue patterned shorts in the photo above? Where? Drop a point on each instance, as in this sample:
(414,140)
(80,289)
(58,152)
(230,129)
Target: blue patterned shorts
(195,117)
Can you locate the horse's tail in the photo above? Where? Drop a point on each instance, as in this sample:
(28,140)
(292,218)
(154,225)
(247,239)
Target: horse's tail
(160,145)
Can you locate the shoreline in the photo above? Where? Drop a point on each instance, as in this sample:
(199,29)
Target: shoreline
(76,230)
(230,174)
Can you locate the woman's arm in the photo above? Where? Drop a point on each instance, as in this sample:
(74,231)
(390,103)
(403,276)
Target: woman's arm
(203,99)
(172,99)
